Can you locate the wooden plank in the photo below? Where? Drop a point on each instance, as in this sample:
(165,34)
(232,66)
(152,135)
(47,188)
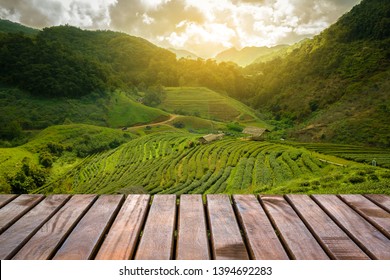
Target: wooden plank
(192,243)
(377,216)
(261,239)
(84,240)
(297,239)
(5,198)
(17,208)
(381,200)
(158,235)
(372,241)
(333,239)
(226,239)
(21,231)
(51,235)
(123,236)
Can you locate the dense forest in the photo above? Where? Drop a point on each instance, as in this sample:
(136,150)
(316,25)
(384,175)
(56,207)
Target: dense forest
(66,61)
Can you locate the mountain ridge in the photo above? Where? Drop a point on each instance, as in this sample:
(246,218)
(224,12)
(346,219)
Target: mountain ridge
(247,55)
(335,86)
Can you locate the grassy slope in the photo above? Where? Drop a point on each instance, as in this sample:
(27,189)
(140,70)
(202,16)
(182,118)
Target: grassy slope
(207,104)
(114,110)
(123,111)
(198,124)
(169,163)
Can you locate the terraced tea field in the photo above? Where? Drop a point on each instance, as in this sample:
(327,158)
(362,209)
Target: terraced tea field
(176,163)
(349,152)
(206,104)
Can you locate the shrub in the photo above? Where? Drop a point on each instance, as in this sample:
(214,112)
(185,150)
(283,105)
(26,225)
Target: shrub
(356,179)
(179,125)
(28,178)
(235,127)
(46,159)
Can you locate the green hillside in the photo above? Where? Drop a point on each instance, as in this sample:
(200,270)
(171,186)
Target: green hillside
(334,88)
(176,163)
(52,152)
(30,112)
(7,26)
(205,103)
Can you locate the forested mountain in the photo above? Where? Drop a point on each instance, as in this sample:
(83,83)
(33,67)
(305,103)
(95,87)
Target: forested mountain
(248,55)
(336,86)
(68,61)
(7,26)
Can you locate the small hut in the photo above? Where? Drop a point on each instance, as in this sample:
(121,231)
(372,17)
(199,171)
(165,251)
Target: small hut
(256,133)
(210,138)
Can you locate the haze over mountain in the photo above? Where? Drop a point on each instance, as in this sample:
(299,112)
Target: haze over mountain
(247,55)
(183,54)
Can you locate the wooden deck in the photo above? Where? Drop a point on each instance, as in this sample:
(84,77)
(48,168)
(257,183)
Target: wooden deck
(346,227)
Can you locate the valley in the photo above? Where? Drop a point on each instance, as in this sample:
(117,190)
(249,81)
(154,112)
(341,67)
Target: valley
(104,112)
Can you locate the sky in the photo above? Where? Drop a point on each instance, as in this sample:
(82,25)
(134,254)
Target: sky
(203,27)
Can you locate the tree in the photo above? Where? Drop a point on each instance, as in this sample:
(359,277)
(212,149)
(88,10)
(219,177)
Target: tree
(154,96)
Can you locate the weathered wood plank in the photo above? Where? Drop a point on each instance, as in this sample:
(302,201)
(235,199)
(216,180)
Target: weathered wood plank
(192,243)
(123,236)
(21,231)
(261,239)
(158,236)
(5,198)
(297,238)
(49,237)
(17,208)
(85,238)
(373,242)
(381,200)
(377,216)
(226,239)
(333,239)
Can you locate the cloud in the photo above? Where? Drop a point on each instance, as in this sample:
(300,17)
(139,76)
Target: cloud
(202,26)
(43,13)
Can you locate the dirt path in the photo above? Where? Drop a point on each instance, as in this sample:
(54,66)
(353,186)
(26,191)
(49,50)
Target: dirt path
(171,118)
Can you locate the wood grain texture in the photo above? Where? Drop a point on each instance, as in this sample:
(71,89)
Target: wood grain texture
(370,239)
(377,216)
(5,198)
(50,236)
(296,237)
(21,231)
(85,238)
(261,239)
(226,239)
(17,208)
(158,235)
(381,200)
(333,239)
(123,236)
(192,243)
